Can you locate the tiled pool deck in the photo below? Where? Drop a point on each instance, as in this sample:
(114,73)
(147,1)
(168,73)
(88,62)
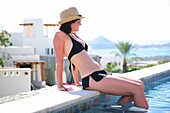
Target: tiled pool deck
(51,100)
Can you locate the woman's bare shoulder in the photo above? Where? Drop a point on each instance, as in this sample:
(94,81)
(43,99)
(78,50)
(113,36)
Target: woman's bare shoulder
(60,35)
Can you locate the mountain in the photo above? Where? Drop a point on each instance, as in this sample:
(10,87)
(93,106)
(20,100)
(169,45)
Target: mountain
(101,43)
(104,43)
(166,45)
(153,45)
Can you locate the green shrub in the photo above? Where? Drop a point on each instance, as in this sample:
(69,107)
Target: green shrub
(163,61)
(4,41)
(2,63)
(4,38)
(112,67)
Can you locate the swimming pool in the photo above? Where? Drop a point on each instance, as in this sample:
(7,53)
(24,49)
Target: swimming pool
(157,94)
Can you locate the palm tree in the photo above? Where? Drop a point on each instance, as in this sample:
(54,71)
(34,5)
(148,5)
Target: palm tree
(124,51)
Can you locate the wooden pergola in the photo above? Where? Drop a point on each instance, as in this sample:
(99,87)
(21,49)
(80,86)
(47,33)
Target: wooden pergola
(51,24)
(31,24)
(46,25)
(26,24)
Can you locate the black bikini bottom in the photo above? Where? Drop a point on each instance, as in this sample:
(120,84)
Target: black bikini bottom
(97,76)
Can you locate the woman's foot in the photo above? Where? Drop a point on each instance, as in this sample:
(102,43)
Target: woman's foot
(134,108)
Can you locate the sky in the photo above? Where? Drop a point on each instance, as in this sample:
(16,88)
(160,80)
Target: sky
(138,21)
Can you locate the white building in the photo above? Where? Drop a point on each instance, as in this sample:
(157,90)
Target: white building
(36,40)
(37,35)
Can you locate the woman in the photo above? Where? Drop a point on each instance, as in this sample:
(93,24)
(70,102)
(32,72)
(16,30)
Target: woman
(67,43)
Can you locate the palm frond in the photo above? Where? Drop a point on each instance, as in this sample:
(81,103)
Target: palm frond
(125,50)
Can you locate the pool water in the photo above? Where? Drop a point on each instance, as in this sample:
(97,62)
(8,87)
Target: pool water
(157,94)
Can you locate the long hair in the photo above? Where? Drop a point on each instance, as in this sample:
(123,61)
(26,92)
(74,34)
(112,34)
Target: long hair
(66,27)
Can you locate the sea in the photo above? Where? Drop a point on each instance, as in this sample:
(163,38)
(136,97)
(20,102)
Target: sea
(140,52)
(148,54)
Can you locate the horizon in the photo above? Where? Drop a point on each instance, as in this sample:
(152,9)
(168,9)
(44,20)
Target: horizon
(142,21)
(145,42)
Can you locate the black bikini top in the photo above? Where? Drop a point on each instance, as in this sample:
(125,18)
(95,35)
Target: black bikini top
(77,47)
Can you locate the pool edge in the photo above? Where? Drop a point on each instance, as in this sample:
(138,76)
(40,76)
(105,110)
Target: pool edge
(79,100)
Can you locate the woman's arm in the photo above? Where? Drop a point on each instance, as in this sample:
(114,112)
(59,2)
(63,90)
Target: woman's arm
(75,76)
(58,43)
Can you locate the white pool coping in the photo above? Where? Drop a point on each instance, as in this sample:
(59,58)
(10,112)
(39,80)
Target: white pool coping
(50,98)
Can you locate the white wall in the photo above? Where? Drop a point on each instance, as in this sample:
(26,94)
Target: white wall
(37,39)
(14,80)
(16,39)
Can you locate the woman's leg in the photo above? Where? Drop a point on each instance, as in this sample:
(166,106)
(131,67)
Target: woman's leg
(125,99)
(121,86)
(135,80)
(128,98)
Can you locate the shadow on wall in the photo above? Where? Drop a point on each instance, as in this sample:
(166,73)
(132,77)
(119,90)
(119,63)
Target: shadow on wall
(50,69)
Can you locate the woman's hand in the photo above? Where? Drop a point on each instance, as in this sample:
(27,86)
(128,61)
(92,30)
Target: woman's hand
(78,83)
(65,89)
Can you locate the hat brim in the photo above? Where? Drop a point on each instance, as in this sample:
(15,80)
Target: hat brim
(68,19)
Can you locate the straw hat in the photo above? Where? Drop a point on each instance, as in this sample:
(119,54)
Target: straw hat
(69,15)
